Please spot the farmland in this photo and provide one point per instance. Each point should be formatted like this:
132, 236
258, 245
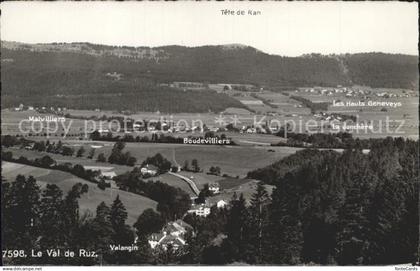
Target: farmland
229, 158
61, 159
233, 160
135, 204
405, 113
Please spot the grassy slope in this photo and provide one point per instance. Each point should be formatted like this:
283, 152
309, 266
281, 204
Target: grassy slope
135, 204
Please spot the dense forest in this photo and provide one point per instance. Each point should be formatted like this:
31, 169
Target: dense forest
327, 207
79, 80
383, 70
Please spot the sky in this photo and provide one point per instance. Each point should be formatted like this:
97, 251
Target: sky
282, 28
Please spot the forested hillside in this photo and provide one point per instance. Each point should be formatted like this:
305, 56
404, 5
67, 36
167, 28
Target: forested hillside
129, 75
383, 70
81, 81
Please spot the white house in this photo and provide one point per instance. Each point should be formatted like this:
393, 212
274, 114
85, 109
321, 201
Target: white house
177, 228
172, 234
155, 238
214, 188
108, 175
199, 210
149, 170
221, 204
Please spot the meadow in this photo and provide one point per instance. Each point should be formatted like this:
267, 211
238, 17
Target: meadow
233, 160
61, 159
135, 204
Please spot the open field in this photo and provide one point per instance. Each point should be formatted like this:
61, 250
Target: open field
135, 204
61, 159
233, 160
253, 139
10, 124
284, 104
228, 183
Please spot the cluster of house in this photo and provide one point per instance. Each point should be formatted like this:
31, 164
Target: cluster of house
149, 170
252, 130
349, 92
328, 117
42, 109
165, 126
214, 188
114, 75
204, 209
354, 92
174, 233
22, 107
188, 85
52, 109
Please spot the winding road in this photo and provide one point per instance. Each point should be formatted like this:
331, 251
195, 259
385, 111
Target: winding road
189, 181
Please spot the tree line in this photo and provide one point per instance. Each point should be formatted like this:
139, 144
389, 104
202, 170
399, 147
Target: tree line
340, 140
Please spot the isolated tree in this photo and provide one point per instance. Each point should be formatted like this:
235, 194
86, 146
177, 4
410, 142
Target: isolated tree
68, 151
101, 158
46, 161
215, 170
118, 213
128, 159
116, 156
39, 146
204, 193
186, 166
80, 152
95, 135
194, 164
91, 153
58, 147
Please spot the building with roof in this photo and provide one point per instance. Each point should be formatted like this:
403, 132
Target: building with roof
151, 170
214, 188
108, 175
199, 210
221, 204
173, 234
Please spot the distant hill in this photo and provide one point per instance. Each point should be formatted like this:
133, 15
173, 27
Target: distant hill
130, 75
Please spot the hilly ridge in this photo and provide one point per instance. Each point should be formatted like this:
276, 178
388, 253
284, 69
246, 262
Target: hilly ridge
54, 70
